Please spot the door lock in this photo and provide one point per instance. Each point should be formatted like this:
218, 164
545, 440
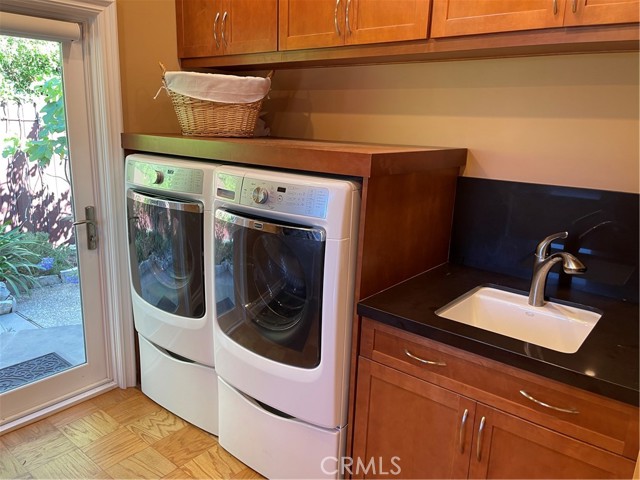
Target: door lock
92, 231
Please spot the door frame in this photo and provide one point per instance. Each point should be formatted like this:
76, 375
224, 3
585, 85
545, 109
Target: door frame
98, 21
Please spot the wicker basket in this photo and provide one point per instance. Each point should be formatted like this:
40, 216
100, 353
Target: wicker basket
212, 119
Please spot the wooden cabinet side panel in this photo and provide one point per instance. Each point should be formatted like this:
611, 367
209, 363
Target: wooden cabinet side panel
310, 24
514, 448
470, 17
378, 21
252, 26
601, 12
406, 228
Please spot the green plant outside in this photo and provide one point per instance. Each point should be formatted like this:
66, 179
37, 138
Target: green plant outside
18, 263
30, 70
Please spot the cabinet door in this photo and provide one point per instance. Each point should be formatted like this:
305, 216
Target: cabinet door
249, 26
509, 447
601, 12
195, 21
376, 21
408, 428
311, 23
468, 17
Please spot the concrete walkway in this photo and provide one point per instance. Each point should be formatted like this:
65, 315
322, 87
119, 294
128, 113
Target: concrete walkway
49, 320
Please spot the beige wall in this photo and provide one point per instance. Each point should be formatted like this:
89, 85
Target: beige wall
146, 36
563, 120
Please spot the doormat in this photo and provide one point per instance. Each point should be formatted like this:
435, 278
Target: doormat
26, 372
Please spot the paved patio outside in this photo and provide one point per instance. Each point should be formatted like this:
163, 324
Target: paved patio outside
49, 320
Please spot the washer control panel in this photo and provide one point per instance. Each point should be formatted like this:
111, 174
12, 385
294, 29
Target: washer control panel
165, 177
305, 200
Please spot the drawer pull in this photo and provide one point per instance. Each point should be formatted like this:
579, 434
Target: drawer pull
422, 360
479, 444
462, 426
546, 405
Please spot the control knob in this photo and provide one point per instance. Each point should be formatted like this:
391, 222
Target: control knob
260, 195
159, 177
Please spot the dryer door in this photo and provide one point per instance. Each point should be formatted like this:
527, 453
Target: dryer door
268, 283
165, 251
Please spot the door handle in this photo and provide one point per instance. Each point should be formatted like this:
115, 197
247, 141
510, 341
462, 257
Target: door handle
90, 222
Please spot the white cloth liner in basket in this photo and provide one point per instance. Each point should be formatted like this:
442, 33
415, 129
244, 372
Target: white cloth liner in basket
218, 88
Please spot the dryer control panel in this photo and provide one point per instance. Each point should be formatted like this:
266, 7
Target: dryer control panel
164, 177
285, 197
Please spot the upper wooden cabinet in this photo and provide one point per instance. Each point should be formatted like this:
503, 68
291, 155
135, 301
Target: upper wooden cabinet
468, 17
225, 27
328, 23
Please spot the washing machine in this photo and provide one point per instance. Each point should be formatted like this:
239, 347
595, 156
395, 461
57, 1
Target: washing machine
284, 249
169, 210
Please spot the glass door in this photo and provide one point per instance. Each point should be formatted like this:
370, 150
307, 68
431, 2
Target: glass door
52, 344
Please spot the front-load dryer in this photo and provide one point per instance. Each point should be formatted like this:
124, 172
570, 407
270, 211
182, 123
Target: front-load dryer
169, 202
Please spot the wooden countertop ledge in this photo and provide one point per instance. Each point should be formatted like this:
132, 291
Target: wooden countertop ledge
351, 159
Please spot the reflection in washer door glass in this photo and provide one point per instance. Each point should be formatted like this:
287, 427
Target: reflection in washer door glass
165, 248
268, 284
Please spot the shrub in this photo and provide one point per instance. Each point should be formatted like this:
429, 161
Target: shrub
51, 259
17, 262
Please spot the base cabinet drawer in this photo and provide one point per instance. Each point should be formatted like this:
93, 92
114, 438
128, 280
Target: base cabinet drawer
438, 412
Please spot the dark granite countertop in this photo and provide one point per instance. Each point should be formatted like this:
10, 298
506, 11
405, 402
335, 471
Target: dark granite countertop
606, 363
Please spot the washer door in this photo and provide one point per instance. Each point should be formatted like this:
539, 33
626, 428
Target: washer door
268, 283
165, 251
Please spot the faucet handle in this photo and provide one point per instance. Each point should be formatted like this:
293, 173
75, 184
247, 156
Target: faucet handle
543, 246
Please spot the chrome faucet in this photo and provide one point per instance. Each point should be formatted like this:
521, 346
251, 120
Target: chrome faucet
543, 263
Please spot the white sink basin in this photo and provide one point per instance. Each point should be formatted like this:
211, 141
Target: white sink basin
558, 327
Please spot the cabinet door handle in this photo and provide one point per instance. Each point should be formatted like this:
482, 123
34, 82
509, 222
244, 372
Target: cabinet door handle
422, 360
463, 423
335, 18
546, 405
347, 17
555, 7
574, 5
215, 28
223, 27
479, 443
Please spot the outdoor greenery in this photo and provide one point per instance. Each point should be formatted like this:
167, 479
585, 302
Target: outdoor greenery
30, 70
18, 263
31, 73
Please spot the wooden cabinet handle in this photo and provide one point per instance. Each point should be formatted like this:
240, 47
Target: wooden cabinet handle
422, 360
223, 28
335, 18
546, 405
462, 429
215, 27
347, 17
479, 444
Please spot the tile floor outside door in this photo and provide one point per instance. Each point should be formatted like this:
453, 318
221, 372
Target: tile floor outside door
120, 434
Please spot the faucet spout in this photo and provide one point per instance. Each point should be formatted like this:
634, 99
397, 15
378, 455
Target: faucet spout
542, 266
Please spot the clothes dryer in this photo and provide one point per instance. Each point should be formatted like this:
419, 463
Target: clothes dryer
169, 202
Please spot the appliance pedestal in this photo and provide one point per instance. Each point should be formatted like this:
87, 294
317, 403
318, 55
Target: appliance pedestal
186, 389
275, 446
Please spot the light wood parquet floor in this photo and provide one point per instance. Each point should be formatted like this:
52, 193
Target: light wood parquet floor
120, 434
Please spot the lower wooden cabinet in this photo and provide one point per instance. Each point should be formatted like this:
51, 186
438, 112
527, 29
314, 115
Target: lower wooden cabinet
408, 427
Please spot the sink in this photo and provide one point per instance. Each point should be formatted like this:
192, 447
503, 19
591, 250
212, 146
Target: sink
559, 327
